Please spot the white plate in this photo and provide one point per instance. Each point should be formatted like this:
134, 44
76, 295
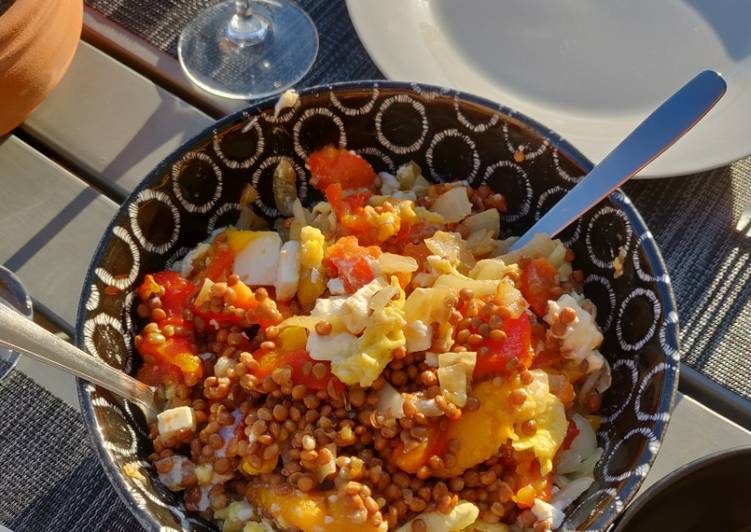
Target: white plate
589, 69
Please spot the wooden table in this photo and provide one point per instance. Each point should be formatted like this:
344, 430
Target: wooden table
121, 108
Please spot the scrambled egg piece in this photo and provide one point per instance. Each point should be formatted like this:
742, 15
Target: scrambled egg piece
311, 247
312, 282
482, 432
373, 350
256, 255
549, 414
310, 512
380, 319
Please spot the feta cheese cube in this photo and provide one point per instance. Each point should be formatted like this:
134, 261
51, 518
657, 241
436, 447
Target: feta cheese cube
176, 419
257, 263
336, 286
288, 271
331, 346
419, 336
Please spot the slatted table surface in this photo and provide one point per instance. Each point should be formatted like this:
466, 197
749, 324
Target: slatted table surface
123, 105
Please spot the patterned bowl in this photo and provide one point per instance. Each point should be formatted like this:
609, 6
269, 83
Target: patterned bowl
451, 136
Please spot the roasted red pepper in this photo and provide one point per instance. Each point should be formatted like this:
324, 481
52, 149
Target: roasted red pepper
351, 262
539, 284
505, 355
173, 290
333, 165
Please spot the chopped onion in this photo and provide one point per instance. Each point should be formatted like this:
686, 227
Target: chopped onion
508, 296
457, 283
205, 293
486, 220
428, 407
393, 263
329, 468
585, 442
467, 359
390, 402
284, 187
451, 247
453, 205
223, 364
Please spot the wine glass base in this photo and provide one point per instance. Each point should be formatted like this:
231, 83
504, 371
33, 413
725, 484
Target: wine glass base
227, 67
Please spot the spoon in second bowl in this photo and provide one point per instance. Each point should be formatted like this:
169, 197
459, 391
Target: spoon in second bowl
660, 130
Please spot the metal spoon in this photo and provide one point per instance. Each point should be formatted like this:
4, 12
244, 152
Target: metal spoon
23, 335
669, 122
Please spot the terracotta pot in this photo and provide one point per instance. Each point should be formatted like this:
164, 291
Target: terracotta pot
37, 43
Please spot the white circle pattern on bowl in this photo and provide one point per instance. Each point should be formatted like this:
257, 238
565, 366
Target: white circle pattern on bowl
645, 367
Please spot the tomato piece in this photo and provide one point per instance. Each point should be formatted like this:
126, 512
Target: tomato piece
345, 204
505, 354
334, 165
352, 216
419, 252
219, 262
268, 361
539, 283
415, 233
571, 434
178, 351
245, 309
352, 263
173, 290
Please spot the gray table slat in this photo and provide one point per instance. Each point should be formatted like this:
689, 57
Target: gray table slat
112, 123
50, 224
694, 431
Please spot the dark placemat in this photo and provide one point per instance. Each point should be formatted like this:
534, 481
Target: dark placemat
695, 220
341, 56
50, 478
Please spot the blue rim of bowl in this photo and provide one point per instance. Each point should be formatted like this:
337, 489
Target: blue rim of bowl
619, 198
22, 304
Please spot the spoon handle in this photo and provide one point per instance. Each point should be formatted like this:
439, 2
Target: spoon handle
660, 130
23, 335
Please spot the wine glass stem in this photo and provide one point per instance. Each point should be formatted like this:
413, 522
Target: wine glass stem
246, 28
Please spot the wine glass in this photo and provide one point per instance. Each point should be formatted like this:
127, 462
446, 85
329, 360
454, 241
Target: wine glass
247, 49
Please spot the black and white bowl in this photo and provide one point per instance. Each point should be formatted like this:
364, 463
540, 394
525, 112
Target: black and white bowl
451, 135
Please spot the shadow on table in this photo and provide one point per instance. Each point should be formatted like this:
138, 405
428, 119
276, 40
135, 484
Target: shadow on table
151, 134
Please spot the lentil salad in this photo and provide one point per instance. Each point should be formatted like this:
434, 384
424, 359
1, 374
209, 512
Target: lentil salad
378, 361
